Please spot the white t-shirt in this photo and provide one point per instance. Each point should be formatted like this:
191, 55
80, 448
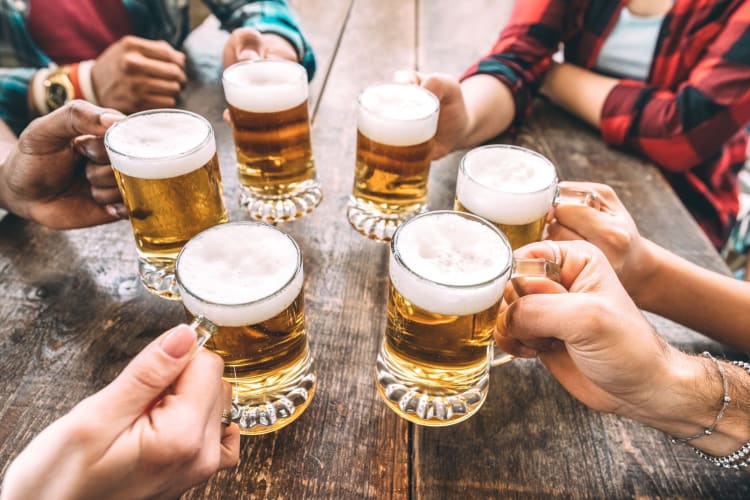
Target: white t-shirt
629, 49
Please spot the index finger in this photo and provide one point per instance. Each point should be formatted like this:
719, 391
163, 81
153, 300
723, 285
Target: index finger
55, 130
573, 257
200, 384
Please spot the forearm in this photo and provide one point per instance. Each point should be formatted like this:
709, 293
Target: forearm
578, 91
490, 109
703, 300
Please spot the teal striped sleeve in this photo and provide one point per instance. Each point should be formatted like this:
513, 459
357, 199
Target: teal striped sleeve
14, 91
267, 16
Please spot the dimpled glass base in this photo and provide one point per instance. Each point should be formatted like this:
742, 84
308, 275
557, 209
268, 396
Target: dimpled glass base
369, 220
157, 275
280, 208
428, 402
267, 405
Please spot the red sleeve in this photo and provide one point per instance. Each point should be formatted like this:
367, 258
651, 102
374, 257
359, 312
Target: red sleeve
523, 53
679, 130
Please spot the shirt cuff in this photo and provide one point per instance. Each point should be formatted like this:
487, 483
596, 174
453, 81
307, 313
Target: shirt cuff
620, 108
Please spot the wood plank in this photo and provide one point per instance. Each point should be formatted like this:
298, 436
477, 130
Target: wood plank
532, 439
347, 444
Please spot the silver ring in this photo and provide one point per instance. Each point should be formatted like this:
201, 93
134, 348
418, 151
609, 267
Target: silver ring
226, 417
555, 251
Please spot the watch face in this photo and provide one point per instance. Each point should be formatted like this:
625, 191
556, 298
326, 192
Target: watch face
57, 95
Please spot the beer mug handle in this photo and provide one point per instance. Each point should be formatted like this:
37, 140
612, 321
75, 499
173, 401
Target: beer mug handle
527, 269
203, 329
569, 196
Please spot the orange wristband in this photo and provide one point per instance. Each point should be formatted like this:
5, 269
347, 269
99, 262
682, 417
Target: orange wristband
74, 79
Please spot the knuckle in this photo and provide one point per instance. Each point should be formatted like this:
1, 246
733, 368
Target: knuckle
186, 446
130, 61
129, 42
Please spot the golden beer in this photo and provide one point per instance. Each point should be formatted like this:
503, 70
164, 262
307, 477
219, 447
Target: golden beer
246, 280
395, 137
518, 235
171, 188
268, 105
447, 272
510, 186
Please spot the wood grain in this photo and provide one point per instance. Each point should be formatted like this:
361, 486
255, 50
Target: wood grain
74, 313
531, 439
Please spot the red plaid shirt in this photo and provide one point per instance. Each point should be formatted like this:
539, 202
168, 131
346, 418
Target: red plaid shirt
689, 115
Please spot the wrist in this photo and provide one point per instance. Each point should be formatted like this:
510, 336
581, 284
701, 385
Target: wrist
685, 396
643, 286
688, 399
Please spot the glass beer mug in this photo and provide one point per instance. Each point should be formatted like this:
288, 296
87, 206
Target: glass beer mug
168, 173
242, 283
514, 188
268, 105
447, 273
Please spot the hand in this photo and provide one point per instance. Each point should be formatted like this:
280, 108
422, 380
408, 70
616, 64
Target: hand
612, 229
453, 123
249, 44
154, 432
58, 174
134, 74
605, 353
602, 350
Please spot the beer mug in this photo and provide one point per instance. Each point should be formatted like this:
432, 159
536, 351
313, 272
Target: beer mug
447, 272
268, 105
396, 129
514, 188
168, 173
243, 284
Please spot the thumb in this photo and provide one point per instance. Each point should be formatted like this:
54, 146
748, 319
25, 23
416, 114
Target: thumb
55, 131
145, 378
248, 44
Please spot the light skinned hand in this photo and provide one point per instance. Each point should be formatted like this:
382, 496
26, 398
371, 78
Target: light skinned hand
154, 432
602, 349
135, 74
453, 122
58, 174
611, 229
248, 44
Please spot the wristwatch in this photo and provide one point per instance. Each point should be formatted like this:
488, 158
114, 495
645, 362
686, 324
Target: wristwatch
58, 88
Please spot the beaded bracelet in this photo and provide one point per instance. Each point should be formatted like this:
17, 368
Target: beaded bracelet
741, 457
724, 403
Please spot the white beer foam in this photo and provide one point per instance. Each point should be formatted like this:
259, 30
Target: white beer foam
234, 273
397, 114
505, 185
450, 251
265, 86
160, 145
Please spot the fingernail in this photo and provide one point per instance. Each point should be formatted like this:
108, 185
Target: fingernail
248, 54
109, 118
117, 210
179, 341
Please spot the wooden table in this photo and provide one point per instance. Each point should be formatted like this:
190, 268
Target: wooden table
73, 313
